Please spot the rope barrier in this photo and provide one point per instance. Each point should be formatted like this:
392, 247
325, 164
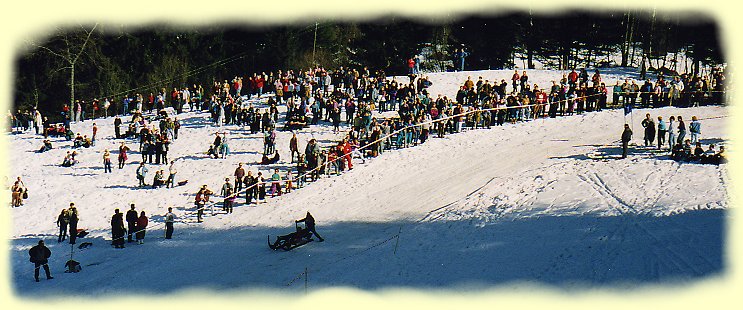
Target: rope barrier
433, 121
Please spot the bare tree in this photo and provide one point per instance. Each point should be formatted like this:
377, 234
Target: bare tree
69, 48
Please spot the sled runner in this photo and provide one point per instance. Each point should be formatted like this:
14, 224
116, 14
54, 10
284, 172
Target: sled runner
290, 241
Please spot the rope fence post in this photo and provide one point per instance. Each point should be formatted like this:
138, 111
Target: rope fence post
398, 241
305, 280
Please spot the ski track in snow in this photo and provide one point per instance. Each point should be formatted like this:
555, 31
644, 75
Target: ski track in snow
543, 201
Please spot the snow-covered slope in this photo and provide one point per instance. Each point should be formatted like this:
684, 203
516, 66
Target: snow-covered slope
543, 202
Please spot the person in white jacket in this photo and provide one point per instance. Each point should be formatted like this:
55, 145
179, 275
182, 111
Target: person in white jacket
169, 220
38, 123
171, 175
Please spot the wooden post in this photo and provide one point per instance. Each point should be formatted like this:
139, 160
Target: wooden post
397, 242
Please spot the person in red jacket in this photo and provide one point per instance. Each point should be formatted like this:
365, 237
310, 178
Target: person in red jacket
141, 227
347, 153
411, 65
259, 81
573, 78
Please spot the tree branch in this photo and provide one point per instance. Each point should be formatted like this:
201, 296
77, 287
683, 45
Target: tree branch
82, 48
49, 50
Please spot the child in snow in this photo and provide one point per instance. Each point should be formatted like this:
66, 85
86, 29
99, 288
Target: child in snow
275, 183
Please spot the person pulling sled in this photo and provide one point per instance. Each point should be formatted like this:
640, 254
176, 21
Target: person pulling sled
301, 236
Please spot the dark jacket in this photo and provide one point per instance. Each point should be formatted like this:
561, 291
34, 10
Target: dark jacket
626, 135
131, 216
309, 221
117, 222
39, 254
649, 125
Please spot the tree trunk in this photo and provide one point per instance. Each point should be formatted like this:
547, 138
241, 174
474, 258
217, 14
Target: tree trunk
590, 54
625, 44
72, 91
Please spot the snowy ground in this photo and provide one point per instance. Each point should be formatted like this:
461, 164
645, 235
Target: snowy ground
544, 202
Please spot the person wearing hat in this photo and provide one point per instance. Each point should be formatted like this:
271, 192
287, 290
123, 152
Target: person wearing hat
39, 255
626, 137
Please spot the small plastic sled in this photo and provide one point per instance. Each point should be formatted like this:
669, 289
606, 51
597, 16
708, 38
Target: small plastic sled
293, 240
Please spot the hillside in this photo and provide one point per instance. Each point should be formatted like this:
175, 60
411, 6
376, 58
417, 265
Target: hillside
543, 202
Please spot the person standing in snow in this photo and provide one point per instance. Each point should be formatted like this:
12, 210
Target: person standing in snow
224, 148
649, 126
95, 132
275, 183
39, 255
142, 174
117, 230
226, 193
131, 222
239, 176
661, 132
122, 155
293, 146
176, 126
309, 223
74, 218
671, 133
62, 220
169, 220
261, 188
695, 128
117, 125
682, 130
106, 161
202, 197
462, 55
142, 222
171, 175
251, 187
626, 137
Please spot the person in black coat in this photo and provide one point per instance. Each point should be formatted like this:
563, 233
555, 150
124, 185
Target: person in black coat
309, 223
626, 137
117, 124
39, 255
649, 130
251, 185
73, 222
62, 220
117, 229
131, 223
